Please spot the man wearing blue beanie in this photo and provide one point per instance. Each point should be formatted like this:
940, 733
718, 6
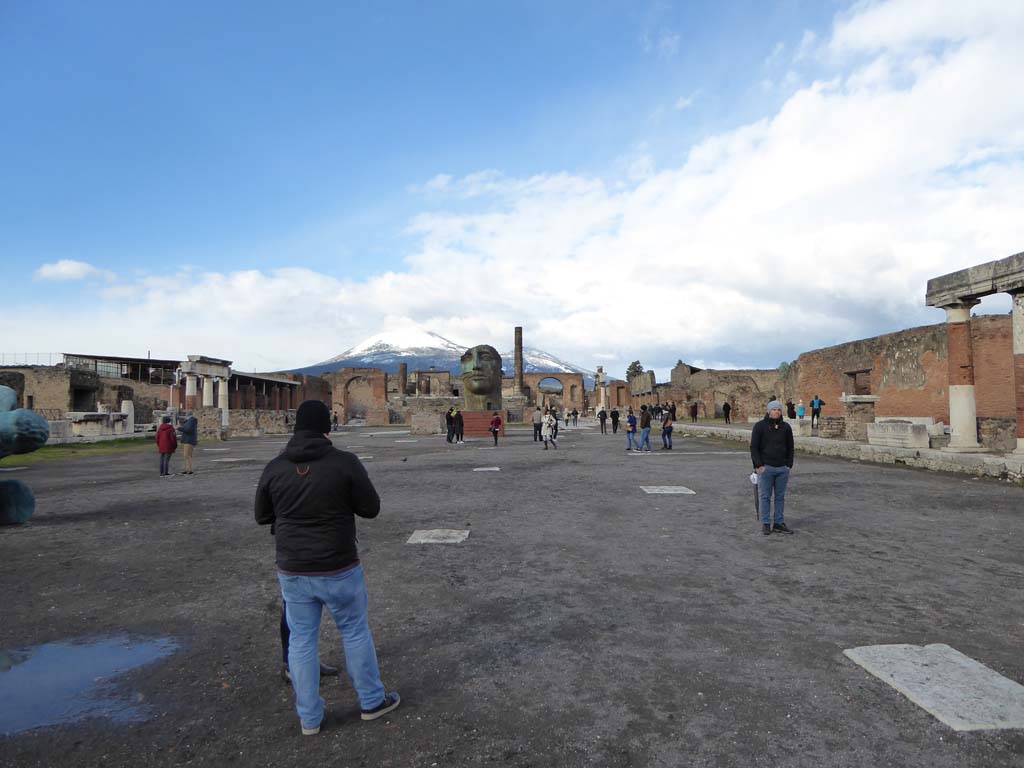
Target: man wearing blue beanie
771, 451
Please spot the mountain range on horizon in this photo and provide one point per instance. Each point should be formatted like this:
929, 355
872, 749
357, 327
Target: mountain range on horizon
421, 349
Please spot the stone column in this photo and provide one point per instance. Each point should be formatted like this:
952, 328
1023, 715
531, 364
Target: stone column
518, 381
963, 412
403, 379
223, 401
190, 392
1018, 365
207, 392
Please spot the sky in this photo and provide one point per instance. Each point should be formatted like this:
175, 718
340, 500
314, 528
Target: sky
726, 183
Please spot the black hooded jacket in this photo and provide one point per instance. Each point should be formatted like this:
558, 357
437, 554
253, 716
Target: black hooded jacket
310, 494
771, 443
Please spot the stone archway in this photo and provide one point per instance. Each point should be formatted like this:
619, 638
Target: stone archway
550, 392
358, 398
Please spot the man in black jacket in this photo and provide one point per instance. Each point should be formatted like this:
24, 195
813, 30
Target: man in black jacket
771, 451
310, 495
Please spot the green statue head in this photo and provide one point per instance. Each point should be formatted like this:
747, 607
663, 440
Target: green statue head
481, 378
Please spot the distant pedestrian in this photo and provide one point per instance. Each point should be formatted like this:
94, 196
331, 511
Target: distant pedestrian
800, 410
460, 426
726, 410
645, 429
615, 420
548, 430
495, 426
631, 434
672, 410
602, 419
575, 417
449, 422
166, 444
693, 412
538, 423
554, 431
189, 440
771, 451
816, 405
666, 432
790, 409
334, 422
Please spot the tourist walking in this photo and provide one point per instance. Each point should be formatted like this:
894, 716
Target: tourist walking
672, 410
800, 410
310, 495
816, 405
549, 430
790, 409
575, 417
554, 430
166, 444
666, 432
538, 423
645, 429
615, 420
726, 410
631, 434
334, 422
693, 412
602, 419
771, 451
449, 422
189, 440
459, 425
495, 427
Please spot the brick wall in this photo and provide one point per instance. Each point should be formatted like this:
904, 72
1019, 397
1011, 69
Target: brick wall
478, 423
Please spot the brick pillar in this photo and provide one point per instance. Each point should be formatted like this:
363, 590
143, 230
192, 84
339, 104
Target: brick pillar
517, 388
286, 398
1018, 365
963, 411
251, 399
276, 398
190, 392
403, 378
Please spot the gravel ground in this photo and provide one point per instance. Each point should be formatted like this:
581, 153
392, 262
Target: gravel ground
582, 623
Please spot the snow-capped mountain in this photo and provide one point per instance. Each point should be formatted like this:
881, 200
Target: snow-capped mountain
421, 349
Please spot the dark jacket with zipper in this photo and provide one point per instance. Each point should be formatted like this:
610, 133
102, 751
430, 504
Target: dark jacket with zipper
310, 495
771, 444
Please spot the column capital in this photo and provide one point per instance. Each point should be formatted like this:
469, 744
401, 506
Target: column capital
960, 311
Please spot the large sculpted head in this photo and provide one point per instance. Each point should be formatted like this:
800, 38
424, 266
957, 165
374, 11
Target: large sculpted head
481, 378
21, 431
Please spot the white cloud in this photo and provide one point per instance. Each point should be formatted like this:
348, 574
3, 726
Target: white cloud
664, 43
774, 55
684, 102
807, 44
817, 224
67, 270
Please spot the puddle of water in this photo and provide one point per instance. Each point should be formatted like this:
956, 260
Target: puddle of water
59, 683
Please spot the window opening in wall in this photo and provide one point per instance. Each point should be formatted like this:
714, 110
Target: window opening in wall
30, 402
859, 382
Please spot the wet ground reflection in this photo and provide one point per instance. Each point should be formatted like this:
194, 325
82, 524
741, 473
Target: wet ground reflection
64, 682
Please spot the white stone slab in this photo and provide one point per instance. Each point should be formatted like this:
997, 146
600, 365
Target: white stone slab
676, 489
352, 447
959, 691
247, 458
438, 536
364, 458
215, 449
487, 469
486, 448
11, 469
406, 441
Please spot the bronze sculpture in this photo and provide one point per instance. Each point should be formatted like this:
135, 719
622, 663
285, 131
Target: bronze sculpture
481, 378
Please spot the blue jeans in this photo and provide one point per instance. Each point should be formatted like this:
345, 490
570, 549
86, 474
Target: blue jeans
666, 437
165, 463
773, 479
629, 440
645, 437
344, 596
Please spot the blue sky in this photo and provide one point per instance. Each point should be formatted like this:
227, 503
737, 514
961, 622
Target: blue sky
184, 146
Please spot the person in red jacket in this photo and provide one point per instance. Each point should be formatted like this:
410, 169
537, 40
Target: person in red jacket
496, 426
166, 443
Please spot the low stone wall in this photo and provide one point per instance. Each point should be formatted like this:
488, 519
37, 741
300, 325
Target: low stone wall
898, 434
253, 422
998, 434
832, 427
978, 464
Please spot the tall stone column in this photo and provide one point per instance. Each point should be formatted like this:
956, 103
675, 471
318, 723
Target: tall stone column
403, 379
518, 380
1018, 365
223, 401
190, 392
963, 411
207, 392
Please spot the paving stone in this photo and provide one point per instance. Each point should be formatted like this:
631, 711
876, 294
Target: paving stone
676, 489
961, 692
438, 536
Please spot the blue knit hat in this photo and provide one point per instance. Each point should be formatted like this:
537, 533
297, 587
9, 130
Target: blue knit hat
774, 404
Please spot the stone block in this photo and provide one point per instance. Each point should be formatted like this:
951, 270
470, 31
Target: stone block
800, 427
427, 424
832, 427
898, 434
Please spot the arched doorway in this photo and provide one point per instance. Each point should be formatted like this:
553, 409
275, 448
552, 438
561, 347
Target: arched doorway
551, 392
358, 398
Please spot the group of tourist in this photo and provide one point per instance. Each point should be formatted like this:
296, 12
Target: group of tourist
167, 442
456, 425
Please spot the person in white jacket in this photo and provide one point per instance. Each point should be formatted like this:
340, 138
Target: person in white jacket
547, 430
